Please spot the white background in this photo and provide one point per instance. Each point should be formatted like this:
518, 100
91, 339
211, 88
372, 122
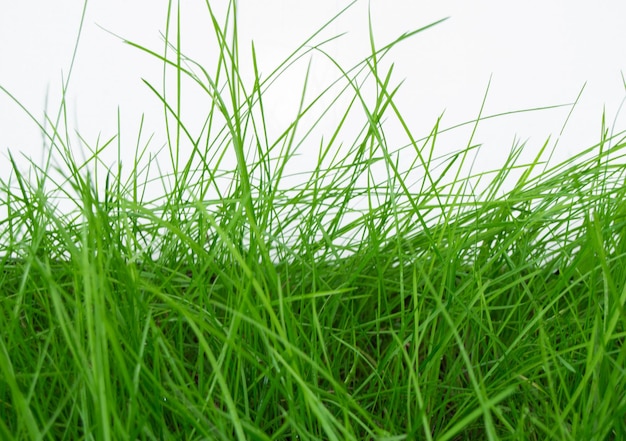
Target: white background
537, 53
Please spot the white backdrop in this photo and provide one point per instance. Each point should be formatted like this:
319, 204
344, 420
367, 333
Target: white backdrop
537, 53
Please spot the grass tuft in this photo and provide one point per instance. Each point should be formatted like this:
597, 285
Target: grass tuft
384, 293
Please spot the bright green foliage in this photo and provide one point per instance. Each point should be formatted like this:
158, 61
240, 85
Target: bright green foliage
241, 306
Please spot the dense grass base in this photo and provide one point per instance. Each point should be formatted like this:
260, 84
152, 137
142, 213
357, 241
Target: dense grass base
281, 312
413, 336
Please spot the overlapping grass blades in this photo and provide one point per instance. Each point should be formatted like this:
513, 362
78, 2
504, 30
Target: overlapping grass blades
380, 297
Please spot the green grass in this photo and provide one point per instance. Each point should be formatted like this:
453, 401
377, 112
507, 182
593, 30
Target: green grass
390, 293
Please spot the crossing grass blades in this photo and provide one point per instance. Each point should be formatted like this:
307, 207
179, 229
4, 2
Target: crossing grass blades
390, 294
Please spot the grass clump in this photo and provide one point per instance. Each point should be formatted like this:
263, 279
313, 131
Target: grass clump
388, 294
